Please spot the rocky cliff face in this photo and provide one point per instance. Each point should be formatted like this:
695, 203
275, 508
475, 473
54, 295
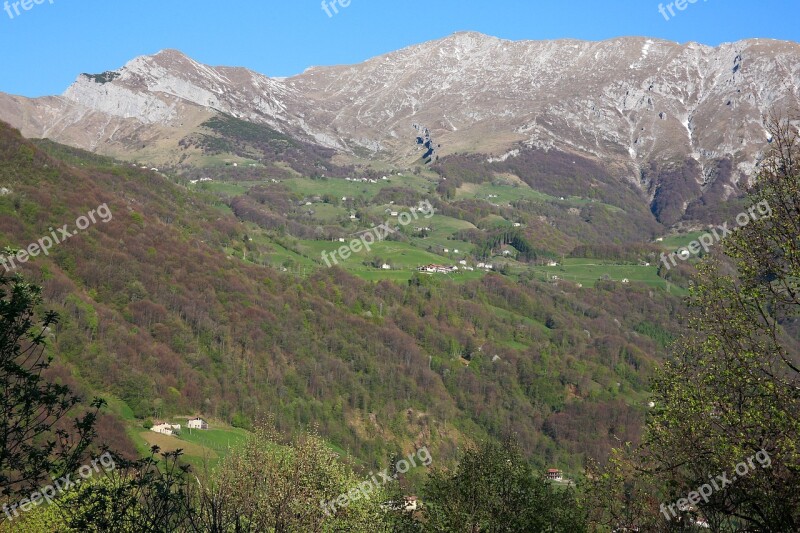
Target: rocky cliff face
645, 108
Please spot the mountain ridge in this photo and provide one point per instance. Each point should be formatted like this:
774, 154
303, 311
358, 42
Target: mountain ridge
645, 108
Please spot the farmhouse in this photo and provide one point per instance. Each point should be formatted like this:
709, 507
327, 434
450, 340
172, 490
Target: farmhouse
437, 269
554, 475
197, 423
166, 429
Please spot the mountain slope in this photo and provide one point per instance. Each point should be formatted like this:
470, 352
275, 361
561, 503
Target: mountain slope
157, 313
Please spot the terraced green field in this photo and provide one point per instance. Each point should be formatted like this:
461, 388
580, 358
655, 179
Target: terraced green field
589, 271
220, 439
401, 256
503, 194
352, 189
674, 242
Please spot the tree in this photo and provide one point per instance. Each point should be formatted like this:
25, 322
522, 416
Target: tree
36, 441
732, 390
266, 486
140, 496
495, 489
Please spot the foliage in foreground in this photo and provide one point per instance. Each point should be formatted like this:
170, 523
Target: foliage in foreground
495, 489
733, 387
36, 437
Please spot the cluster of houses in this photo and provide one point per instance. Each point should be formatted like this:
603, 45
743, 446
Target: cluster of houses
438, 269
165, 428
442, 269
366, 180
201, 180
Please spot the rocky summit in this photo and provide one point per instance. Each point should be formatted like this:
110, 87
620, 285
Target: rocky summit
645, 108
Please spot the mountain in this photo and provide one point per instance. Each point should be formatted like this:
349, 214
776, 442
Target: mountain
680, 124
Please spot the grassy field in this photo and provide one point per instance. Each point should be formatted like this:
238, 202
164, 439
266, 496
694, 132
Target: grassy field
342, 188
217, 440
674, 242
400, 255
200, 448
502, 194
329, 214
223, 188
589, 271
168, 443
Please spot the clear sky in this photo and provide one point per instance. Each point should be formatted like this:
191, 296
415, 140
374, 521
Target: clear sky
46, 47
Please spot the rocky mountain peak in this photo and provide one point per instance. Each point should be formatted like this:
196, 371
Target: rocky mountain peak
630, 102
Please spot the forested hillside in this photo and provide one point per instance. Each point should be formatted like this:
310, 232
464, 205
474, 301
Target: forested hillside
157, 311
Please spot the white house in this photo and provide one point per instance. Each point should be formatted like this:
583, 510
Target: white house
386, 267
462, 262
165, 428
197, 423
411, 504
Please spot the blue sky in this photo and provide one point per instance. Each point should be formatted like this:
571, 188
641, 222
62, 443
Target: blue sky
46, 47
